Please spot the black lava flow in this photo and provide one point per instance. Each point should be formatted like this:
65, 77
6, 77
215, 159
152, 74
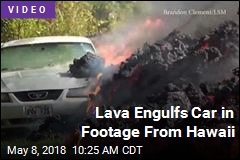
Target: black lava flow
177, 70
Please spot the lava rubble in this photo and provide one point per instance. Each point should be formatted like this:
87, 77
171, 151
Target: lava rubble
177, 70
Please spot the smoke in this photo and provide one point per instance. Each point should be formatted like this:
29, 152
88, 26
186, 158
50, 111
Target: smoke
194, 23
119, 44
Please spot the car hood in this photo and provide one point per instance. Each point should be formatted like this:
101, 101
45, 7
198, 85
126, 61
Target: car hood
39, 79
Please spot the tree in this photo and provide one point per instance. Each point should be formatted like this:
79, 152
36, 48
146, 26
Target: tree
79, 18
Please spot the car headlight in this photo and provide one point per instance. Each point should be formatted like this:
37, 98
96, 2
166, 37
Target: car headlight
5, 97
77, 92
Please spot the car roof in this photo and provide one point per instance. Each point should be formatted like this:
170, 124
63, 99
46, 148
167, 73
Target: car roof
47, 39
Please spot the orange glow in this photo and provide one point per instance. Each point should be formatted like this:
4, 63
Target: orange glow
97, 88
117, 51
110, 53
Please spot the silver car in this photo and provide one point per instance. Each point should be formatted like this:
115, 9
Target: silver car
34, 80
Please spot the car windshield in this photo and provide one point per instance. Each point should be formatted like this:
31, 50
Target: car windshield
42, 55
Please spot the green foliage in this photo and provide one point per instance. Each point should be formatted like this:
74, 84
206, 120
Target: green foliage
80, 18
